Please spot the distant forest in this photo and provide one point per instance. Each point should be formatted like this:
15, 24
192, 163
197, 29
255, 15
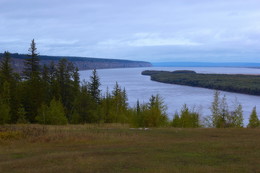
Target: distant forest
82, 63
246, 84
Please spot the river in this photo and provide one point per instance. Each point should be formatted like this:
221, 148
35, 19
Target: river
140, 88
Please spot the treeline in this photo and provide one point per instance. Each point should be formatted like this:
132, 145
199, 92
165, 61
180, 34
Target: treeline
246, 84
53, 94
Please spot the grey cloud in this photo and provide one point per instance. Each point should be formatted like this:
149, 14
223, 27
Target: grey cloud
151, 30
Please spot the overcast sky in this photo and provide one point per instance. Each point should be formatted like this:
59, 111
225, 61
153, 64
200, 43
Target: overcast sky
150, 30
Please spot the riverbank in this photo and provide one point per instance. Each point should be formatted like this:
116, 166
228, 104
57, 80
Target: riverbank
238, 83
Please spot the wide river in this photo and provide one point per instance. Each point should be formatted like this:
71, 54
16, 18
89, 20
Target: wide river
140, 88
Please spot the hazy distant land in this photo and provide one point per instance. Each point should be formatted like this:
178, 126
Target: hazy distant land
83, 63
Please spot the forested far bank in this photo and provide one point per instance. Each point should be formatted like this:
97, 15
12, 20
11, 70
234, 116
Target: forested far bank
82, 63
239, 83
53, 94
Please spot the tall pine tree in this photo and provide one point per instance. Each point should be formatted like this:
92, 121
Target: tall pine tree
33, 87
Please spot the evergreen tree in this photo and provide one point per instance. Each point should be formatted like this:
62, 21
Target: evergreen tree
64, 85
5, 98
85, 106
94, 86
46, 85
176, 122
106, 105
76, 81
8, 85
157, 112
224, 114
119, 104
32, 96
235, 118
187, 118
32, 64
4, 113
215, 109
6, 71
253, 120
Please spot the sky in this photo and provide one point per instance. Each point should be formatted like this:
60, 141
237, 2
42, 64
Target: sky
149, 30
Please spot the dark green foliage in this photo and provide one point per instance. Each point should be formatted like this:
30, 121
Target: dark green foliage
8, 85
247, 84
184, 71
5, 98
53, 95
6, 71
64, 85
32, 64
85, 106
94, 86
253, 120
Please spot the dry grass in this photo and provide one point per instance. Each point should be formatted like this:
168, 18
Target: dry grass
116, 148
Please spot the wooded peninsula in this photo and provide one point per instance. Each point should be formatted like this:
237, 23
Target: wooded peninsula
239, 83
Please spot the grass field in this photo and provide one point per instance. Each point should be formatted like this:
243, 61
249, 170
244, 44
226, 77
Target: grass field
117, 148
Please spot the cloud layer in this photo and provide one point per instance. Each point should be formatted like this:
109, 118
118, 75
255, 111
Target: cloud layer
152, 30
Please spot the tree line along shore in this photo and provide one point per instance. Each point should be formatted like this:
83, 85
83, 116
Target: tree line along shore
239, 83
53, 94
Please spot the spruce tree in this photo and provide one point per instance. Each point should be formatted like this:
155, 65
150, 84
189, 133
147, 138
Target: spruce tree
253, 120
33, 87
9, 82
6, 71
94, 86
5, 99
32, 63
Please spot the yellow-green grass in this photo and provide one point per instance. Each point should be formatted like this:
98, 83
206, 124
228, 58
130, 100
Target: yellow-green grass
117, 148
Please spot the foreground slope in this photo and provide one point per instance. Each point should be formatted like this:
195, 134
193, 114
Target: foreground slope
117, 148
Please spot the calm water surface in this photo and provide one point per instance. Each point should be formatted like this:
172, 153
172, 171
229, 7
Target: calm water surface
140, 88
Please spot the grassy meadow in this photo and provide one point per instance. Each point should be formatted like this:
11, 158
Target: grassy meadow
118, 148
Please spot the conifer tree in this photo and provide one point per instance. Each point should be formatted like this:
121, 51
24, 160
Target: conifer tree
5, 98
235, 118
63, 85
4, 113
32, 64
33, 88
215, 109
157, 112
6, 71
9, 83
176, 120
94, 86
253, 120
